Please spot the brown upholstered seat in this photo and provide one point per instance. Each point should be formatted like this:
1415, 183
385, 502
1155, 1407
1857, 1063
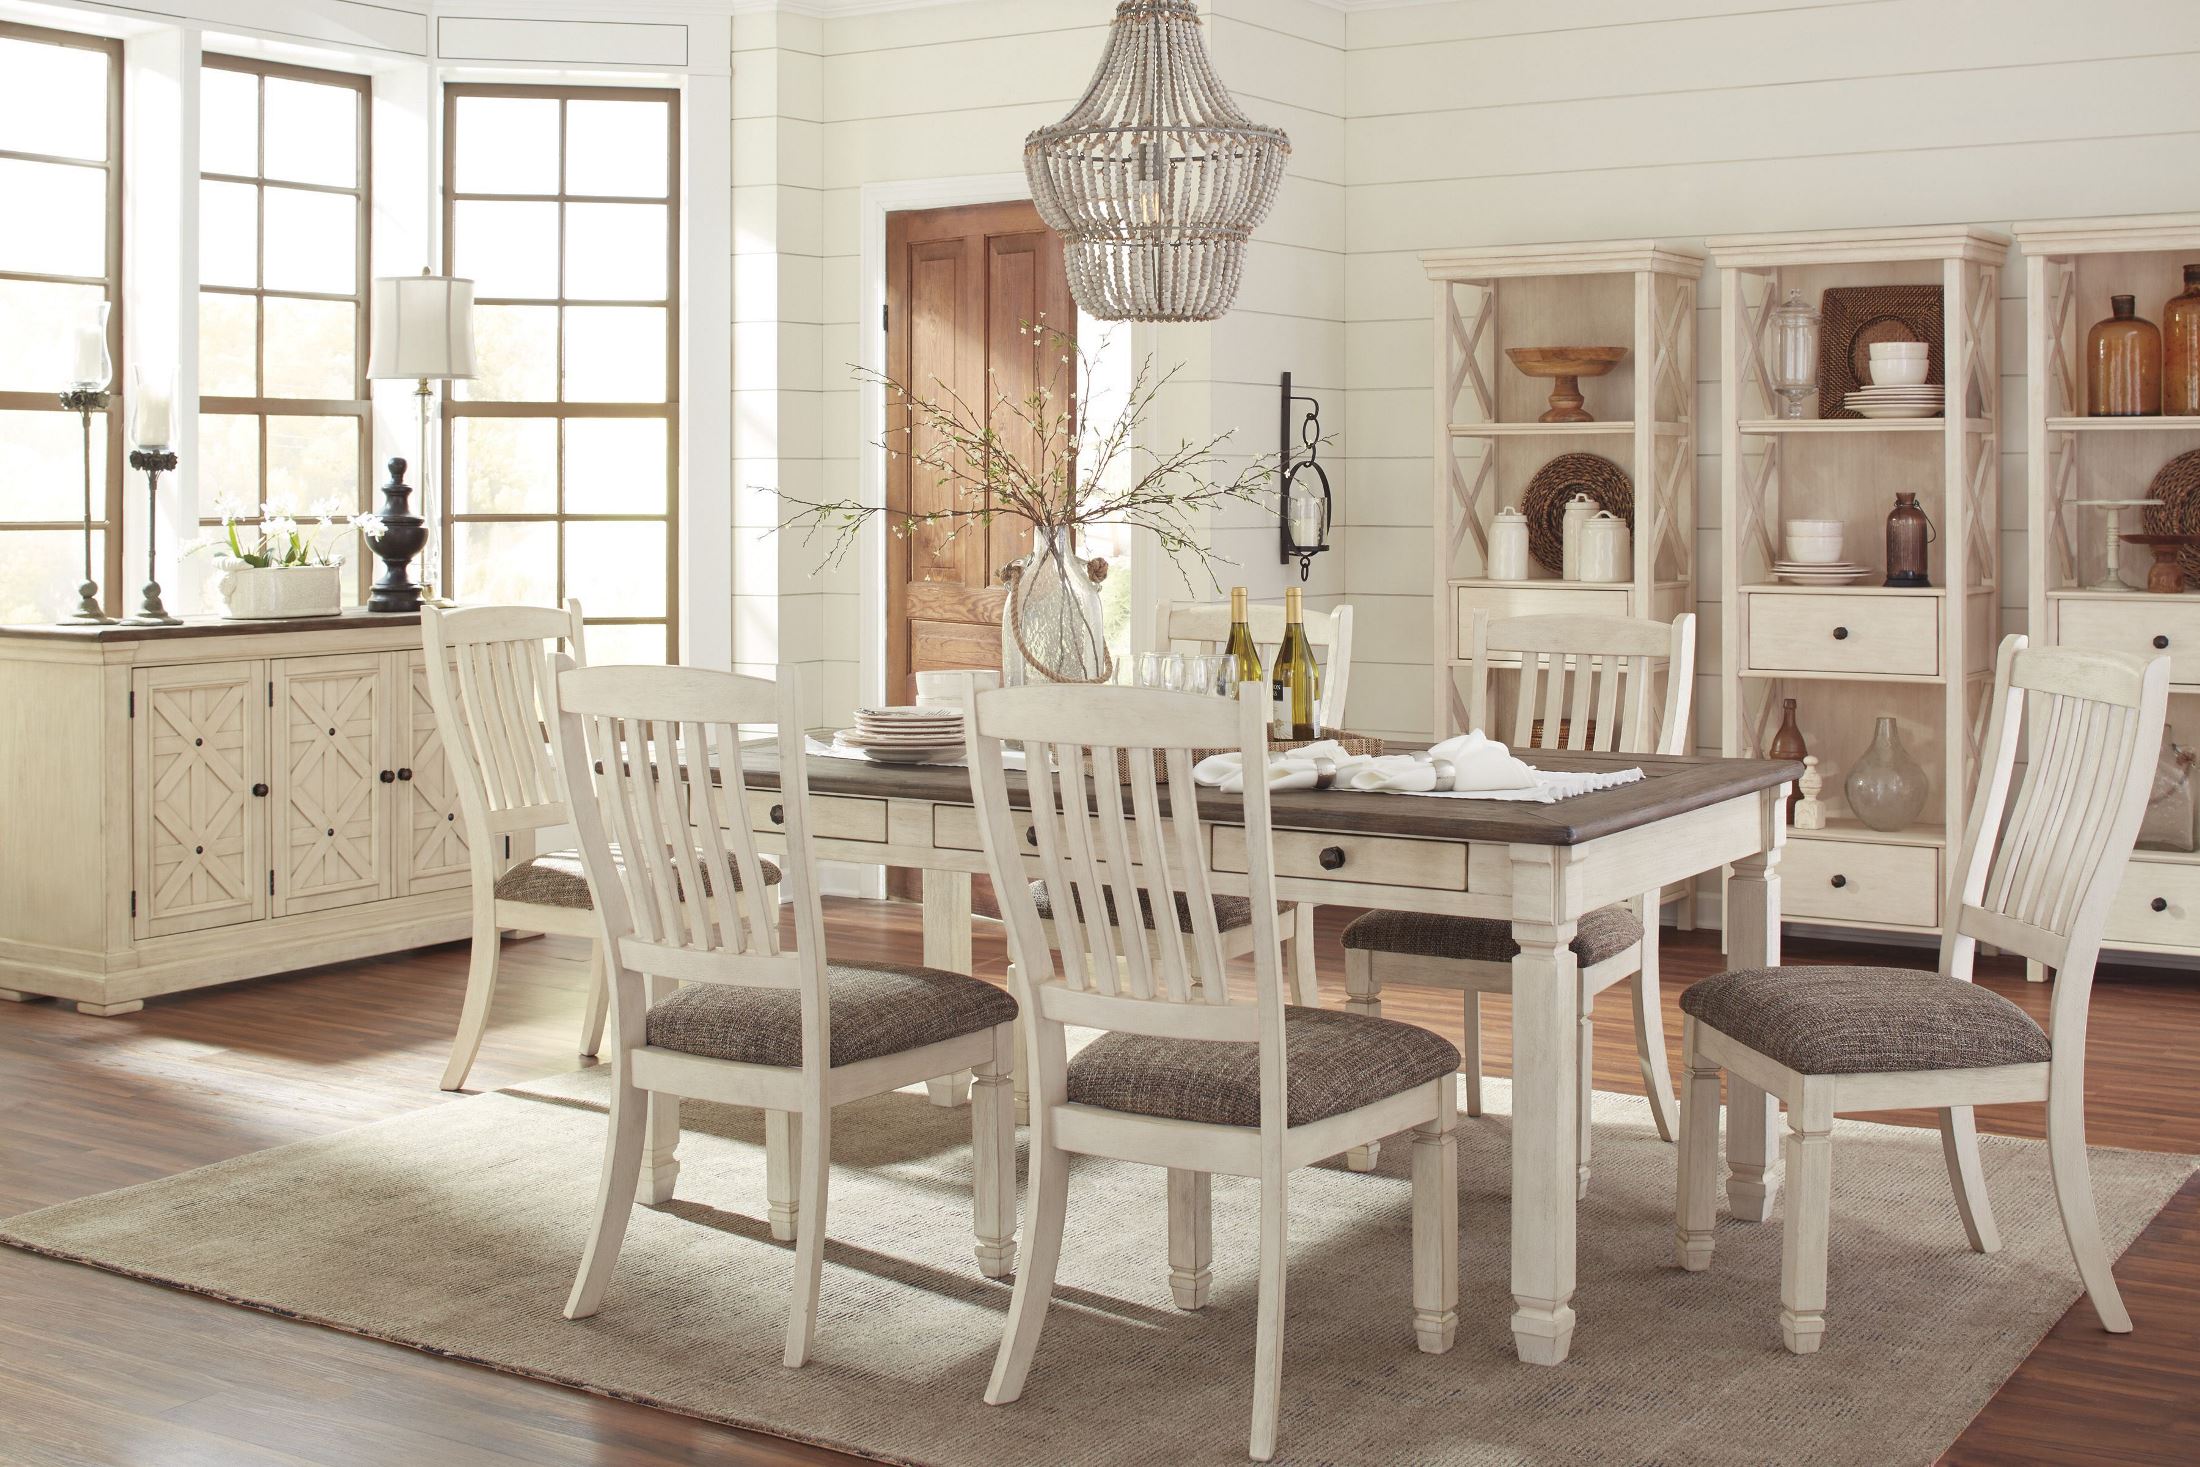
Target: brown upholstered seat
1603, 933
556, 880
1866, 1021
1230, 912
876, 1009
1334, 1062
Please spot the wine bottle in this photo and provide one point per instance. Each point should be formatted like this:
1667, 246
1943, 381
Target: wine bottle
1294, 683
1240, 649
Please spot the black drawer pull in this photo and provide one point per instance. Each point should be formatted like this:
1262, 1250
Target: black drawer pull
1840, 634
388, 776
2160, 904
405, 774
198, 850
779, 814
1031, 835
260, 790
1840, 881
2161, 644
1332, 858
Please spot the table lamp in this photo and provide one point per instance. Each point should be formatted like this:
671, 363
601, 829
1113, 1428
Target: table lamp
423, 330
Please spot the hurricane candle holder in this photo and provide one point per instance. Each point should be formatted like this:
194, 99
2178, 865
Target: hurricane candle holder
152, 428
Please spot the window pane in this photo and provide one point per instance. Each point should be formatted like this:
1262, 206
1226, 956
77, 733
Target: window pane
312, 242
508, 249
615, 354
38, 324
616, 568
40, 571
229, 464
44, 458
504, 465
507, 145
229, 121
615, 466
616, 148
310, 346
55, 222
505, 564
615, 252
609, 646
226, 325
515, 355
312, 132
53, 99
229, 232
312, 459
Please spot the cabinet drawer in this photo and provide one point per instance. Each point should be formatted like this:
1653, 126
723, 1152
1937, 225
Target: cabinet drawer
1861, 883
2146, 626
832, 817
2132, 917
1893, 635
1365, 860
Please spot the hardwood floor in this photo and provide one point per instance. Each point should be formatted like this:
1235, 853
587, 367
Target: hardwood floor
101, 1370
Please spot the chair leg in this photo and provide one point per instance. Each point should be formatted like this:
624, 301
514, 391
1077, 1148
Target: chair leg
1436, 1225
1751, 1116
1027, 1308
1696, 1210
809, 1247
1808, 1149
2074, 1194
1959, 1145
1585, 1055
782, 1168
1362, 995
1191, 1237
1471, 1053
1657, 1081
481, 982
598, 1006
1300, 958
993, 1151
660, 1166
1268, 1330
622, 1154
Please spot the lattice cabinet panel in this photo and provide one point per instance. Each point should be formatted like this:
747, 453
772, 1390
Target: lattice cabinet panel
200, 738
432, 852
331, 815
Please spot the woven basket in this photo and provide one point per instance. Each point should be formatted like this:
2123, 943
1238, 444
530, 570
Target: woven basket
1855, 316
1353, 744
2177, 485
1544, 502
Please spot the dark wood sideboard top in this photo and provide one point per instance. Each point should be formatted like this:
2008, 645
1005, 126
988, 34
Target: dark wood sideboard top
212, 626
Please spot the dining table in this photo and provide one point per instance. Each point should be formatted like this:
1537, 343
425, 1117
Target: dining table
1542, 866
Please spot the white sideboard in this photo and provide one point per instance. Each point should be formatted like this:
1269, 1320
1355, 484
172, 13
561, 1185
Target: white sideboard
183, 806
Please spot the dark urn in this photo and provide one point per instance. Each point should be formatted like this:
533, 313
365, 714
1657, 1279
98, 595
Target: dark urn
404, 535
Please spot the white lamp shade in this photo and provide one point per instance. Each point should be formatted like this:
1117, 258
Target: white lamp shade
423, 327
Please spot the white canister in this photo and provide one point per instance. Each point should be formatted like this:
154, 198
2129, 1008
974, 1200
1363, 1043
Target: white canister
1607, 549
1509, 546
1579, 510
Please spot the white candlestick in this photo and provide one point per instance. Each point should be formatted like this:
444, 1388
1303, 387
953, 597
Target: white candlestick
153, 415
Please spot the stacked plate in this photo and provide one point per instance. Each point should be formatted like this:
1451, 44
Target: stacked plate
1820, 572
1921, 401
905, 735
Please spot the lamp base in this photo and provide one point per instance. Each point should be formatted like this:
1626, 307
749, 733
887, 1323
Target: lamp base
88, 611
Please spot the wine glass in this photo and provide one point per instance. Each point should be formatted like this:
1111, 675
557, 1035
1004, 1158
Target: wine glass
1226, 678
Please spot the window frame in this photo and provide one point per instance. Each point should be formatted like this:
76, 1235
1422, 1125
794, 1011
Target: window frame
109, 520
261, 406
558, 409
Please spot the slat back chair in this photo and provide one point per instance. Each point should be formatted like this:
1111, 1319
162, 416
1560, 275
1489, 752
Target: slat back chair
488, 674
1153, 1089
1587, 683
708, 1003
1936, 1040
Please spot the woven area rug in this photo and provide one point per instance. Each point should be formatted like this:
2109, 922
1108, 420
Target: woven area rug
457, 1229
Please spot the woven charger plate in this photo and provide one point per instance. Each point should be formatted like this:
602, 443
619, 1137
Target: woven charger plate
1855, 316
1544, 502
1353, 744
2177, 485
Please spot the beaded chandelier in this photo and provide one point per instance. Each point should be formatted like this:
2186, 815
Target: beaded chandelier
1155, 179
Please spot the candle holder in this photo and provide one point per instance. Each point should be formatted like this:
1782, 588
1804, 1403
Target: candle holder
84, 401
152, 462
1304, 509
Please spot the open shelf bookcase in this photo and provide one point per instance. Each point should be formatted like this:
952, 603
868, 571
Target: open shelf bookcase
1852, 654
2072, 267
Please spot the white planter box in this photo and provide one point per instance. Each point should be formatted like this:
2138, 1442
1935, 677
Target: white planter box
256, 593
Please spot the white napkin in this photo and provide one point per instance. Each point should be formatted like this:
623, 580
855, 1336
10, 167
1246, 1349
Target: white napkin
1480, 763
1226, 772
1401, 774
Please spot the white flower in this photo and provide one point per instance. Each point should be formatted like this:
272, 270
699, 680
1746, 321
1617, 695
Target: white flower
370, 525
331, 510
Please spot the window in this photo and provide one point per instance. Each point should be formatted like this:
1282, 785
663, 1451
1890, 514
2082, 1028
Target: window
283, 207
559, 205
60, 254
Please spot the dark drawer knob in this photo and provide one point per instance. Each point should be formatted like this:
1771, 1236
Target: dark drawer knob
260, 790
198, 850
779, 814
1840, 881
388, 776
1332, 858
2160, 904
2161, 644
1031, 835
1840, 634
405, 774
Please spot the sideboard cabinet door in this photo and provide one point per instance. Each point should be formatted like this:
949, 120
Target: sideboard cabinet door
331, 816
431, 835
199, 747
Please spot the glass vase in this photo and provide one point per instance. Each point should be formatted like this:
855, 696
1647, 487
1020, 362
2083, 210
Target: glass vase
1053, 629
1886, 788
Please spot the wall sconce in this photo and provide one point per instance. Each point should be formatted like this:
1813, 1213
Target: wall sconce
1305, 508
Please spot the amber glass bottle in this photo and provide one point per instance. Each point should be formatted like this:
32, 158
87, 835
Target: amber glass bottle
2181, 349
2123, 364
1788, 744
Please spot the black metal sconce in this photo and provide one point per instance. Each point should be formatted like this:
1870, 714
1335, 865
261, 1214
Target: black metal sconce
1290, 463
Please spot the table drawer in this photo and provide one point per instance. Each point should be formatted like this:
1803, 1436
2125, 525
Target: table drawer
1861, 883
955, 828
2146, 626
832, 817
1367, 860
1888, 635
2132, 917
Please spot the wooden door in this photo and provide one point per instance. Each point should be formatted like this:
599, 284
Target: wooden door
332, 815
963, 288
198, 777
431, 835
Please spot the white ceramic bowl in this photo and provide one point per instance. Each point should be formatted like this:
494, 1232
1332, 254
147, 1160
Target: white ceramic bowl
1901, 348
1898, 371
1813, 542
1813, 527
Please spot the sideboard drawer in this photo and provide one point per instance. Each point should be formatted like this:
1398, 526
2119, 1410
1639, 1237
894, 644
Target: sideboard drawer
1309, 855
2146, 626
2132, 916
1862, 883
832, 817
1890, 635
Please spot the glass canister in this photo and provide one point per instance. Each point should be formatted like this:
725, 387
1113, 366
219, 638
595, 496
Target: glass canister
2181, 349
1509, 546
1794, 353
2123, 364
1579, 511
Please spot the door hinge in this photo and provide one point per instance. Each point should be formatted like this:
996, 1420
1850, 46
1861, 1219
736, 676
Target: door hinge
133, 904
885, 318
507, 848
271, 693
271, 883
133, 702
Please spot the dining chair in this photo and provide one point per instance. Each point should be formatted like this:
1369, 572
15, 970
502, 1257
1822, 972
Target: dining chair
1194, 1073
1829, 1040
1585, 682
707, 1001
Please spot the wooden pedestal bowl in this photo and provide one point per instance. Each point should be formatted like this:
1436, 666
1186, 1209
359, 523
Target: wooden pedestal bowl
2166, 577
1565, 365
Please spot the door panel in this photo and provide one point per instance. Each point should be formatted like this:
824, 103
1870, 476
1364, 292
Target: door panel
200, 745
431, 839
331, 820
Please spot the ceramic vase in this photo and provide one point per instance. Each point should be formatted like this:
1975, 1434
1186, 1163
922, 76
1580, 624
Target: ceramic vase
1509, 546
1886, 788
